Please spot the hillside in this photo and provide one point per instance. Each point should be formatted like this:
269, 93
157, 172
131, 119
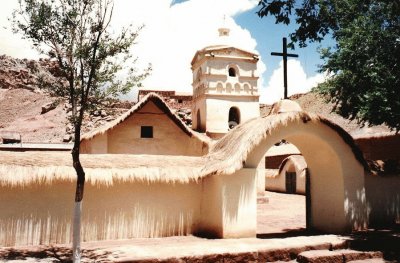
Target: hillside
26, 111
313, 102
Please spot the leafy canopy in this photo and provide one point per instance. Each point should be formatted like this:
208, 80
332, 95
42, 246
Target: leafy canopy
364, 65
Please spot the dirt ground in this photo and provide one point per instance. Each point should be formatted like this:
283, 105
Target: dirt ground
283, 213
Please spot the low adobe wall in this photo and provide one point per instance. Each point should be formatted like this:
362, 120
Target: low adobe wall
380, 148
42, 214
221, 206
383, 195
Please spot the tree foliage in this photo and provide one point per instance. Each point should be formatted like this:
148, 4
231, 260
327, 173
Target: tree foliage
90, 57
364, 64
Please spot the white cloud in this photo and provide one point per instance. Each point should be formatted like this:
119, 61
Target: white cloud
170, 38
172, 35
10, 43
298, 82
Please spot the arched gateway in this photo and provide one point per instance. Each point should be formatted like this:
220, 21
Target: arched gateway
335, 164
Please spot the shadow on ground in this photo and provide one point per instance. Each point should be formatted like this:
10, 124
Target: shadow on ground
57, 254
385, 240
289, 233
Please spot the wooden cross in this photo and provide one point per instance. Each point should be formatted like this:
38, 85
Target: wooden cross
285, 55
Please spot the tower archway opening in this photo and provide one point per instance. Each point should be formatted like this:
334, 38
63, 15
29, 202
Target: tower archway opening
232, 72
198, 121
234, 117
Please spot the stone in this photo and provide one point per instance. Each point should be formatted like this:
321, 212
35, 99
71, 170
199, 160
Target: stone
320, 256
11, 138
103, 113
69, 128
48, 107
67, 138
342, 255
350, 255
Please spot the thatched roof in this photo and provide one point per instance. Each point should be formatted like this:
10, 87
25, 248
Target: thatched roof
297, 161
160, 103
229, 153
23, 168
285, 106
225, 157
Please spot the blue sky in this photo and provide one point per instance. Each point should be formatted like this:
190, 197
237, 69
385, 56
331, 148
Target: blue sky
269, 39
175, 29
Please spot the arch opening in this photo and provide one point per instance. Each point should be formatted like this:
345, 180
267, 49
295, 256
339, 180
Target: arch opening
198, 121
234, 117
232, 72
336, 176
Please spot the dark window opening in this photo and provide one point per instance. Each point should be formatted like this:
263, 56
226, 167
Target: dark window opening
146, 132
234, 117
180, 101
232, 72
198, 118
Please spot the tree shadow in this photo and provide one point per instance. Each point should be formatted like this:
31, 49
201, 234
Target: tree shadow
289, 233
385, 240
57, 253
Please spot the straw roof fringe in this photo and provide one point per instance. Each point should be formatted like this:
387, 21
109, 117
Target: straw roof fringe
24, 168
161, 104
226, 156
297, 161
231, 151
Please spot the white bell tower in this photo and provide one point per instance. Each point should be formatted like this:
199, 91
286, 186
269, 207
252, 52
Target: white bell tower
225, 91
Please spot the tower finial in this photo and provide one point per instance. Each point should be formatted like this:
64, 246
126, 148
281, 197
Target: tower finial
224, 30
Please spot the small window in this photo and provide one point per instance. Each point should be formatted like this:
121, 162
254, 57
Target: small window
232, 72
180, 101
146, 132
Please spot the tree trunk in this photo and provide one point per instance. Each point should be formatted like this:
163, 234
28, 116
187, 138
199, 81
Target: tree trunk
76, 236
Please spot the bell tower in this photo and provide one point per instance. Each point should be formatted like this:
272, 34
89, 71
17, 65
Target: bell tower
225, 91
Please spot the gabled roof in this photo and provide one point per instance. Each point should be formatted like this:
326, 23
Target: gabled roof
217, 48
160, 103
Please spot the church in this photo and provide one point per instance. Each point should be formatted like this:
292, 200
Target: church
225, 94
149, 175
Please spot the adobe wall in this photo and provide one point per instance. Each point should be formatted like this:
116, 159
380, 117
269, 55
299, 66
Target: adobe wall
380, 148
218, 112
383, 195
228, 205
278, 183
221, 206
42, 213
125, 138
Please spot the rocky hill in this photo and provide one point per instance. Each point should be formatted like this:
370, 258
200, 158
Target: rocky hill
28, 113
312, 102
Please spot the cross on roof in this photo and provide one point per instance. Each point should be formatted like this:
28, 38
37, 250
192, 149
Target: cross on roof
285, 55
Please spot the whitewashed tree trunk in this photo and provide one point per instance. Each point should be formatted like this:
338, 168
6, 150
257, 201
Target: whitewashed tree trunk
76, 234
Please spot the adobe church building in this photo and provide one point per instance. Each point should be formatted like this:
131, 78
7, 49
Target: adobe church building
149, 175
149, 127
225, 90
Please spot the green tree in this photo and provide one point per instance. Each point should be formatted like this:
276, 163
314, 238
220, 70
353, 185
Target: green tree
76, 34
364, 64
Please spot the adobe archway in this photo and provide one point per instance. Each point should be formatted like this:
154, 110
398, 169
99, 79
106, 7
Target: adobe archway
337, 177
335, 164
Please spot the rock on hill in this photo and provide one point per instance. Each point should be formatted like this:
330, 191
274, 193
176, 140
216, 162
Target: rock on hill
26, 111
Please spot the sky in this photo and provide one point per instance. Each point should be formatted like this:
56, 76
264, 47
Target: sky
175, 29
